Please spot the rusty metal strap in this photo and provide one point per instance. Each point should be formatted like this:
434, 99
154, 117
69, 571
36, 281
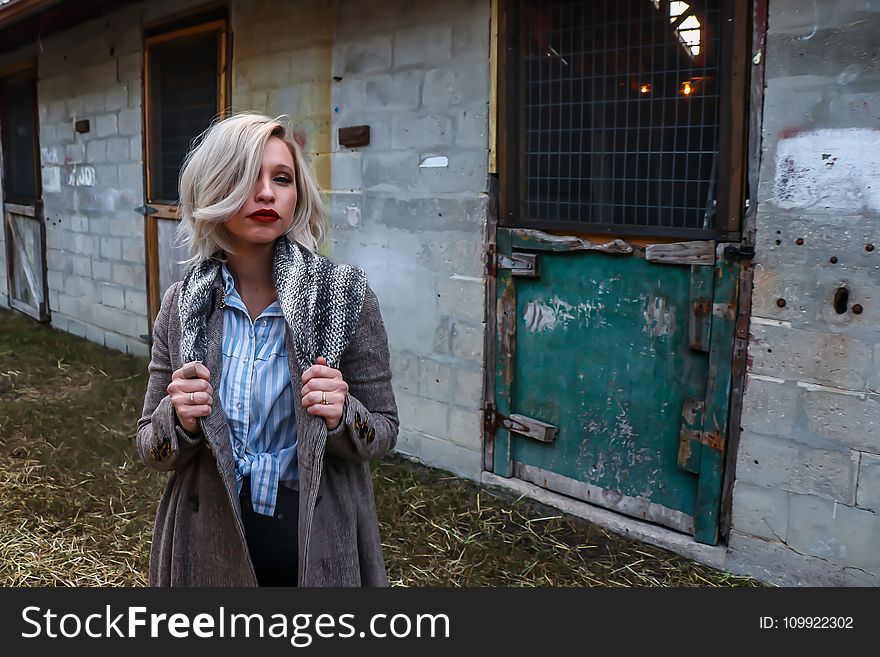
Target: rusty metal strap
713, 440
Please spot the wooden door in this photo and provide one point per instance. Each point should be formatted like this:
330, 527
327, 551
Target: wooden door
616, 256
23, 221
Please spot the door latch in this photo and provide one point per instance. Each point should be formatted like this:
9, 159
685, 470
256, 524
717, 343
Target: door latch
519, 264
739, 252
525, 426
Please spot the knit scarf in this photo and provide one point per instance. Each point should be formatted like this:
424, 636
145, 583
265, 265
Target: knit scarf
321, 302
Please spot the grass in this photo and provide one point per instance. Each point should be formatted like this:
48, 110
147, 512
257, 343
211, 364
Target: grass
78, 506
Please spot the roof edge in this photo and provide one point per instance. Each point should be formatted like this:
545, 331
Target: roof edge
17, 10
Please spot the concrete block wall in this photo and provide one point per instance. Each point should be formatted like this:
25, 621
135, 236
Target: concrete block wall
281, 64
92, 181
418, 74
805, 503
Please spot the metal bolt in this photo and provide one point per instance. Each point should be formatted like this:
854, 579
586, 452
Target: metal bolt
857, 308
869, 247
799, 241
780, 303
833, 260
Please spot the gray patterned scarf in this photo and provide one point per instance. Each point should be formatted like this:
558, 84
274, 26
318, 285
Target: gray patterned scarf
321, 302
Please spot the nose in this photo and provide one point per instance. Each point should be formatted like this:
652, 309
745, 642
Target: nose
264, 193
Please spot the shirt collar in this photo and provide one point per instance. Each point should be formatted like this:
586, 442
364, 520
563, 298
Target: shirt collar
228, 281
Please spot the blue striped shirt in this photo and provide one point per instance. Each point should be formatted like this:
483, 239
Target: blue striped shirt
258, 399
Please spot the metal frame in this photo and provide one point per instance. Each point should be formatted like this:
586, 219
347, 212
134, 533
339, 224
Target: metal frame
733, 73
738, 374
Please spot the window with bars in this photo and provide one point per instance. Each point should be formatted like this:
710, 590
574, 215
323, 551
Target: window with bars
612, 115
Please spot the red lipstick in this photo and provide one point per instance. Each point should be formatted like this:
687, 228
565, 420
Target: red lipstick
264, 215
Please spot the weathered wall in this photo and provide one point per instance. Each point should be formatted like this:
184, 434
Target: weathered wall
92, 182
281, 64
417, 74
806, 505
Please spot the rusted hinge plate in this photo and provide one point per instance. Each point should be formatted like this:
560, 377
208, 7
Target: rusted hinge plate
519, 264
712, 440
689, 444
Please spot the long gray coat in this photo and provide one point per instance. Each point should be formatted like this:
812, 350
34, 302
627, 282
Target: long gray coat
198, 538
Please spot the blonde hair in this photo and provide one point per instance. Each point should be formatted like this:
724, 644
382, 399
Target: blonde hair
218, 176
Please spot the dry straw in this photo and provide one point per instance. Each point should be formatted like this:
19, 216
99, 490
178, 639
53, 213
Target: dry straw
78, 507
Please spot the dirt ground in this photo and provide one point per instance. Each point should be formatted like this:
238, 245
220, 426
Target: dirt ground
78, 505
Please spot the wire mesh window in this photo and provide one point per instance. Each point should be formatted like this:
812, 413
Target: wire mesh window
617, 121
183, 101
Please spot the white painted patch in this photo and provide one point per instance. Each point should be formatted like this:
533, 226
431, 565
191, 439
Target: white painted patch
556, 313
472, 279
834, 169
81, 177
659, 317
590, 314
434, 161
769, 379
52, 155
766, 321
52, 180
539, 316
815, 387
353, 214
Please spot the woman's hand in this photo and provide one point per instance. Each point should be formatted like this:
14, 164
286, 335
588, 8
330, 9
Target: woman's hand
191, 394
324, 392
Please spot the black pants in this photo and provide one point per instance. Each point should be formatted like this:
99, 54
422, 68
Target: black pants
272, 540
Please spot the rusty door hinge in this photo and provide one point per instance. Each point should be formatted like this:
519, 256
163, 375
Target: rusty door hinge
519, 264
692, 437
525, 426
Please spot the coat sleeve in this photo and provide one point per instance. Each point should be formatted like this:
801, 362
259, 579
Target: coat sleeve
162, 443
369, 424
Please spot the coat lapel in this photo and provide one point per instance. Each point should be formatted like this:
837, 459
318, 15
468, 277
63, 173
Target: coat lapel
215, 427
311, 441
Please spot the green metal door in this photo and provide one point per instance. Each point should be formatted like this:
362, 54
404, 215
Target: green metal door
620, 191
613, 373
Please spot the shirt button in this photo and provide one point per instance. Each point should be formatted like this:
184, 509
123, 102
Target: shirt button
264, 322
246, 359
239, 405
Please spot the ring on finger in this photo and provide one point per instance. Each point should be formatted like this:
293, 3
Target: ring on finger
324, 398
192, 398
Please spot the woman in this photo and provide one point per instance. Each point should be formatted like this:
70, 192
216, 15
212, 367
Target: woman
270, 384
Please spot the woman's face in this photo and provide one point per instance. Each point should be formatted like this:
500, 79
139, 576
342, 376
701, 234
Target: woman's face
274, 190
